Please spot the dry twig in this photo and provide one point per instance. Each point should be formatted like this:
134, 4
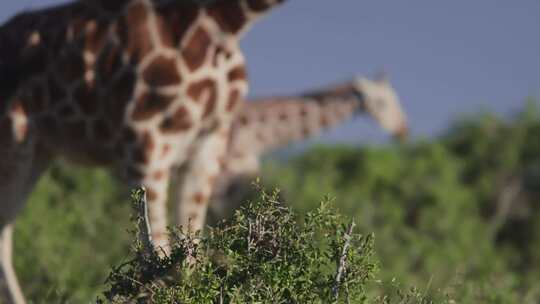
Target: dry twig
143, 222
342, 261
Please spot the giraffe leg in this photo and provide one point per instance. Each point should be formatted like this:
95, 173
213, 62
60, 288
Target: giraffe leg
19, 172
13, 176
156, 185
156, 198
195, 188
157, 211
9, 285
234, 183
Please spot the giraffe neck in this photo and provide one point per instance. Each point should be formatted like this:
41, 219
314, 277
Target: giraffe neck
271, 123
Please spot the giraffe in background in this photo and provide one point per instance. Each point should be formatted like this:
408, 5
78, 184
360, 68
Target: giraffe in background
138, 86
267, 124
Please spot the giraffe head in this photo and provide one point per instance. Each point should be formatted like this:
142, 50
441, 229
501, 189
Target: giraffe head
382, 103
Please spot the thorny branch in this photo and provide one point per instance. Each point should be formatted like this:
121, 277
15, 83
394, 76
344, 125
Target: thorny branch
342, 261
143, 222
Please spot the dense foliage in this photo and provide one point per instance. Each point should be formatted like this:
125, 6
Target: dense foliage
456, 216
261, 256
461, 209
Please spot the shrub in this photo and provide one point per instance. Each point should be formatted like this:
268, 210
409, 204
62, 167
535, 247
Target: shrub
261, 256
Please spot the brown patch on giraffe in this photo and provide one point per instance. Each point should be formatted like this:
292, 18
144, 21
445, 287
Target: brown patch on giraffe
209, 129
303, 111
176, 18
151, 194
222, 163
102, 130
128, 135
71, 65
87, 99
262, 118
119, 95
149, 104
6, 131
325, 121
212, 180
204, 88
165, 150
112, 6
47, 123
196, 50
180, 121
159, 175
239, 154
233, 101
32, 59
134, 173
77, 26
133, 32
259, 5
200, 198
99, 155
229, 15
119, 150
243, 120
164, 32
56, 92
306, 131
162, 71
66, 111
237, 73
55, 42
283, 116
36, 101
109, 62
148, 141
75, 130
18, 109
144, 151
96, 35
193, 216
139, 155
136, 14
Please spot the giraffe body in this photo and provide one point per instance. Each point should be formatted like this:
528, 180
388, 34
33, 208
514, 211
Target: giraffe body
128, 93
138, 86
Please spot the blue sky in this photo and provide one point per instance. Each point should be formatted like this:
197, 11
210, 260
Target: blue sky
445, 58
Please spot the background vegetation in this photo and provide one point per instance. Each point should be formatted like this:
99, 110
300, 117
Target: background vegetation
458, 216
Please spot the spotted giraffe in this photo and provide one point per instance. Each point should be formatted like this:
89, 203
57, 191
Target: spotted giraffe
267, 124
138, 86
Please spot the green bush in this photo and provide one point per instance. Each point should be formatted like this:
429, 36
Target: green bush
264, 255
261, 256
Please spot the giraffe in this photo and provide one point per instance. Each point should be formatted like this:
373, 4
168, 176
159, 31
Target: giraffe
137, 86
267, 124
